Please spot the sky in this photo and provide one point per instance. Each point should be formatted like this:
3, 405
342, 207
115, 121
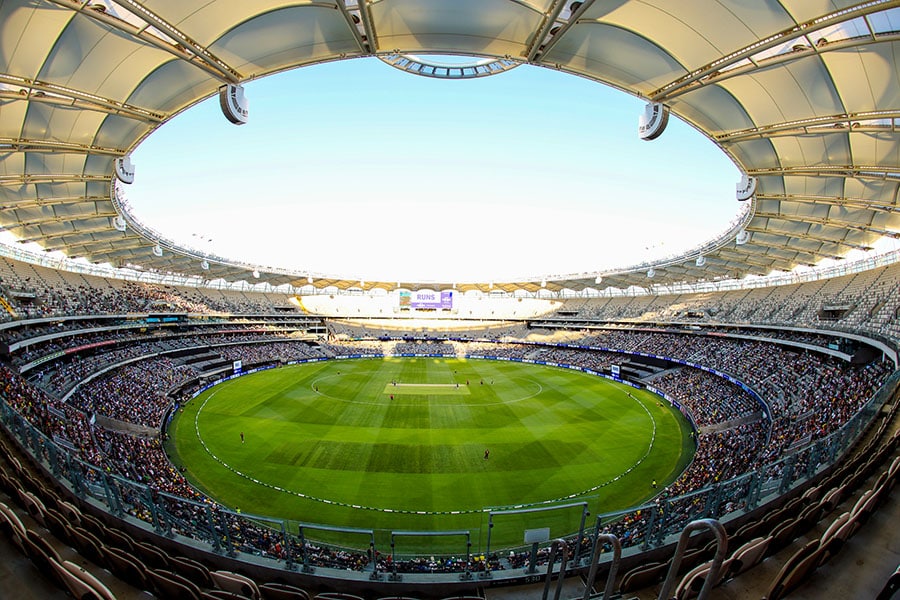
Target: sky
358, 170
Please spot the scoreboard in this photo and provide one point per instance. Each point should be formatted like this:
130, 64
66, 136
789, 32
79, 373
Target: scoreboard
426, 300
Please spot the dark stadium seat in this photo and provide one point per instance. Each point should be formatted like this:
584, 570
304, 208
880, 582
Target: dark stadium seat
172, 586
39, 551
126, 567
794, 571
783, 534
87, 544
220, 595
692, 581
643, 576
748, 556
891, 586
34, 506
336, 596
151, 556
11, 525
282, 591
191, 569
81, 583
235, 583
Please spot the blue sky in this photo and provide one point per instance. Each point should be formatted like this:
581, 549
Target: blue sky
359, 170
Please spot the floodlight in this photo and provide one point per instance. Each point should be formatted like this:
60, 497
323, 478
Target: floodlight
746, 187
233, 103
119, 223
653, 121
124, 169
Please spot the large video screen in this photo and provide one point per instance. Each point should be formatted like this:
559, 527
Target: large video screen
427, 300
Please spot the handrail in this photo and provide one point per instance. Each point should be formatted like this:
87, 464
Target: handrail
595, 563
721, 549
554, 550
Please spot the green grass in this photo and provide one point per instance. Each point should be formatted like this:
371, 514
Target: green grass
330, 437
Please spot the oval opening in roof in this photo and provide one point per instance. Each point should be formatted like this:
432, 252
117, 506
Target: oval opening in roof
357, 170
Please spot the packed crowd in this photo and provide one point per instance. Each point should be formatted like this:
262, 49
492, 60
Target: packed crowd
819, 394
709, 398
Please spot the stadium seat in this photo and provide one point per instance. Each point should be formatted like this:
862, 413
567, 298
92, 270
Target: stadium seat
693, 581
336, 596
191, 569
748, 556
783, 534
643, 576
220, 595
87, 545
11, 525
78, 577
172, 586
794, 571
282, 591
39, 551
34, 506
119, 539
126, 567
151, 556
235, 583
890, 586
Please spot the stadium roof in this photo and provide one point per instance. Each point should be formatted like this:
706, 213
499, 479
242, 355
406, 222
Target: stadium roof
803, 95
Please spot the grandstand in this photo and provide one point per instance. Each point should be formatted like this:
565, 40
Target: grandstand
786, 368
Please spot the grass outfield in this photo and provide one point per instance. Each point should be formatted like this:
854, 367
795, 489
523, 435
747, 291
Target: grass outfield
325, 443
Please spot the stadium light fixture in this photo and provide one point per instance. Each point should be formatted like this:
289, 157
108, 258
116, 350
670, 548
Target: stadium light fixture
746, 187
124, 169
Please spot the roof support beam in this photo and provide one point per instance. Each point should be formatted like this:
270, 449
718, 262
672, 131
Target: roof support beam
50, 201
547, 21
832, 201
23, 145
31, 90
573, 19
61, 178
368, 25
680, 85
184, 47
880, 172
829, 222
802, 51
809, 237
348, 16
819, 125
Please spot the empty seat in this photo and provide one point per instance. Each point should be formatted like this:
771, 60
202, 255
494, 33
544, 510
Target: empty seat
282, 591
151, 556
236, 583
87, 544
794, 571
11, 525
191, 569
748, 556
172, 586
643, 576
126, 567
82, 584
336, 596
694, 580
890, 586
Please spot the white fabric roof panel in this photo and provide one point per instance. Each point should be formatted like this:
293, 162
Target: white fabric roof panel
285, 38
616, 56
814, 121
481, 27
